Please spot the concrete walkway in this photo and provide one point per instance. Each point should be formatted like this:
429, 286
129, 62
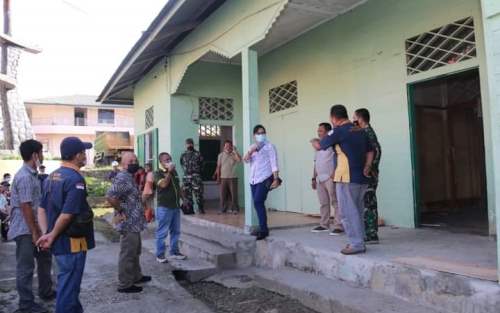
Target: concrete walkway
99, 294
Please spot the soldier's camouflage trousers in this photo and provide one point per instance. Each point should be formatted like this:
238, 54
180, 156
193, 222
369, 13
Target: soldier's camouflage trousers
371, 212
193, 185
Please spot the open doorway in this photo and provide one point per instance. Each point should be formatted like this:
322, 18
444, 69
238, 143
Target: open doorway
449, 153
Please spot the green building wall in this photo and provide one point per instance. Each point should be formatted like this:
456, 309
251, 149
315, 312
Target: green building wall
358, 60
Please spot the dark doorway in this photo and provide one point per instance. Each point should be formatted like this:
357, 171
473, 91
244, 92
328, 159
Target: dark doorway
449, 153
212, 139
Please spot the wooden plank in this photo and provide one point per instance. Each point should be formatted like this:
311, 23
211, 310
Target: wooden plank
8, 82
4, 38
464, 269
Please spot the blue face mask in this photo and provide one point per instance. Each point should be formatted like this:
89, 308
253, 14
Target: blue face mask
260, 138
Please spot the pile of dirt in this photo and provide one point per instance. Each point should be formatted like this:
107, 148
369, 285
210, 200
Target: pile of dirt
245, 300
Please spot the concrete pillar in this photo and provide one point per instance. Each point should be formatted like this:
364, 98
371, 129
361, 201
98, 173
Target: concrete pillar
491, 25
250, 88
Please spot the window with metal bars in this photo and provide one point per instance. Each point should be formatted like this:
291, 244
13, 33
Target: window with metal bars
216, 109
149, 116
283, 97
209, 131
449, 44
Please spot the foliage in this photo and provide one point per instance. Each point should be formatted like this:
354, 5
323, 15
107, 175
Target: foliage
97, 187
10, 157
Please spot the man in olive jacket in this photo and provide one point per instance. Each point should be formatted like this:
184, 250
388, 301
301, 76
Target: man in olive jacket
168, 212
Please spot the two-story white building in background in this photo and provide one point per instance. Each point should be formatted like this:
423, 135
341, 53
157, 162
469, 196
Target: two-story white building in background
54, 118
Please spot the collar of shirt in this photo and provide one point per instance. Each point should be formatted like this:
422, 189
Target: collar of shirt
28, 168
71, 166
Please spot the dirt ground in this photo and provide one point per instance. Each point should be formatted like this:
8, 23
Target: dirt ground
222, 299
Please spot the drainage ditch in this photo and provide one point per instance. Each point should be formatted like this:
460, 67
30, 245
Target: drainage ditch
253, 299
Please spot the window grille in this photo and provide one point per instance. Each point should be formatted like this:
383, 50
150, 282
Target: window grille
209, 131
439, 47
283, 97
149, 115
216, 109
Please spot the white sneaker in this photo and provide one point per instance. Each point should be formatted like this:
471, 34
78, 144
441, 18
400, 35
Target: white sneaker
161, 259
177, 256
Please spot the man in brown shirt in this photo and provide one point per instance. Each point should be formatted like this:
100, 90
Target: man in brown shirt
225, 174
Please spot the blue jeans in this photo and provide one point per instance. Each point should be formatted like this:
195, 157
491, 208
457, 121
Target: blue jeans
259, 195
69, 279
169, 221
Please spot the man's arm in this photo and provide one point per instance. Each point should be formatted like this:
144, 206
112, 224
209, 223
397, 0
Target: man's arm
165, 181
42, 220
329, 140
62, 223
236, 156
29, 217
115, 192
368, 163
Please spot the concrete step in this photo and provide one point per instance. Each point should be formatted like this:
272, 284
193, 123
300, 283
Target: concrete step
298, 250
223, 236
192, 270
332, 296
220, 257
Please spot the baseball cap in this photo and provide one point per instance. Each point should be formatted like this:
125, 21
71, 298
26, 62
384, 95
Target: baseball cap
71, 146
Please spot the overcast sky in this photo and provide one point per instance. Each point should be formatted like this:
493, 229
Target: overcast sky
83, 42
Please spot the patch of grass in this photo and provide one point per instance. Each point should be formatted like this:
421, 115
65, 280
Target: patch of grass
100, 212
106, 229
97, 187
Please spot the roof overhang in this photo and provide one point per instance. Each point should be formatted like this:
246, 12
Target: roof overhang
173, 23
180, 17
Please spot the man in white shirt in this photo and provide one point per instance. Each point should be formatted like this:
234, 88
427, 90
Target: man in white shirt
264, 175
322, 182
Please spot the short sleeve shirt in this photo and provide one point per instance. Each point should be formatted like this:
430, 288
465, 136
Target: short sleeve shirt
324, 164
126, 190
65, 191
351, 145
25, 189
227, 165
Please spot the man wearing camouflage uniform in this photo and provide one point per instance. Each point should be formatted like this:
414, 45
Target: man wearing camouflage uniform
192, 162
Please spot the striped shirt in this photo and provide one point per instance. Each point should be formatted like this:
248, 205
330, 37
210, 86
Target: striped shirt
126, 190
25, 189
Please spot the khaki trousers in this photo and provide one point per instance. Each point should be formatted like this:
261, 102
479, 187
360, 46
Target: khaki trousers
229, 194
129, 267
328, 199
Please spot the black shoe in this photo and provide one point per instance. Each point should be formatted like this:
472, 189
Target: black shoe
51, 296
131, 289
144, 279
262, 236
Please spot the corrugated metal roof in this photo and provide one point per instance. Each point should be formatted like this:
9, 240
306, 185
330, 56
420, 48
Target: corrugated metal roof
174, 22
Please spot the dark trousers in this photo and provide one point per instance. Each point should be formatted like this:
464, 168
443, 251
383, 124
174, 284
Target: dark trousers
69, 278
229, 194
129, 267
193, 185
259, 195
26, 253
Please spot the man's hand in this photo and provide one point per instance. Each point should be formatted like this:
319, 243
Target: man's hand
171, 167
367, 171
45, 242
314, 184
275, 184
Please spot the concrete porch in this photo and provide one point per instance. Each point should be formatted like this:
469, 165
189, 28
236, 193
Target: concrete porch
445, 271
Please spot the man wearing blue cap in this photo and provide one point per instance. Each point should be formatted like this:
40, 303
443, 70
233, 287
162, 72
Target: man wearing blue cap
66, 217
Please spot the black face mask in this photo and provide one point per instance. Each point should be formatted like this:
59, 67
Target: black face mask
132, 168
190, 148
356, 123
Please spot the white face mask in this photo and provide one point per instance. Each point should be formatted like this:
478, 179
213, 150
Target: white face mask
260, 137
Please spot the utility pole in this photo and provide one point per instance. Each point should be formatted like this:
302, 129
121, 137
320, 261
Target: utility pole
8, 136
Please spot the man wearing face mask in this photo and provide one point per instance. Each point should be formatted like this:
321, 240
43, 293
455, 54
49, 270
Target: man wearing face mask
125, 197
354, 160
168, 212
192, 164
64, 203
264, 175
25, 230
